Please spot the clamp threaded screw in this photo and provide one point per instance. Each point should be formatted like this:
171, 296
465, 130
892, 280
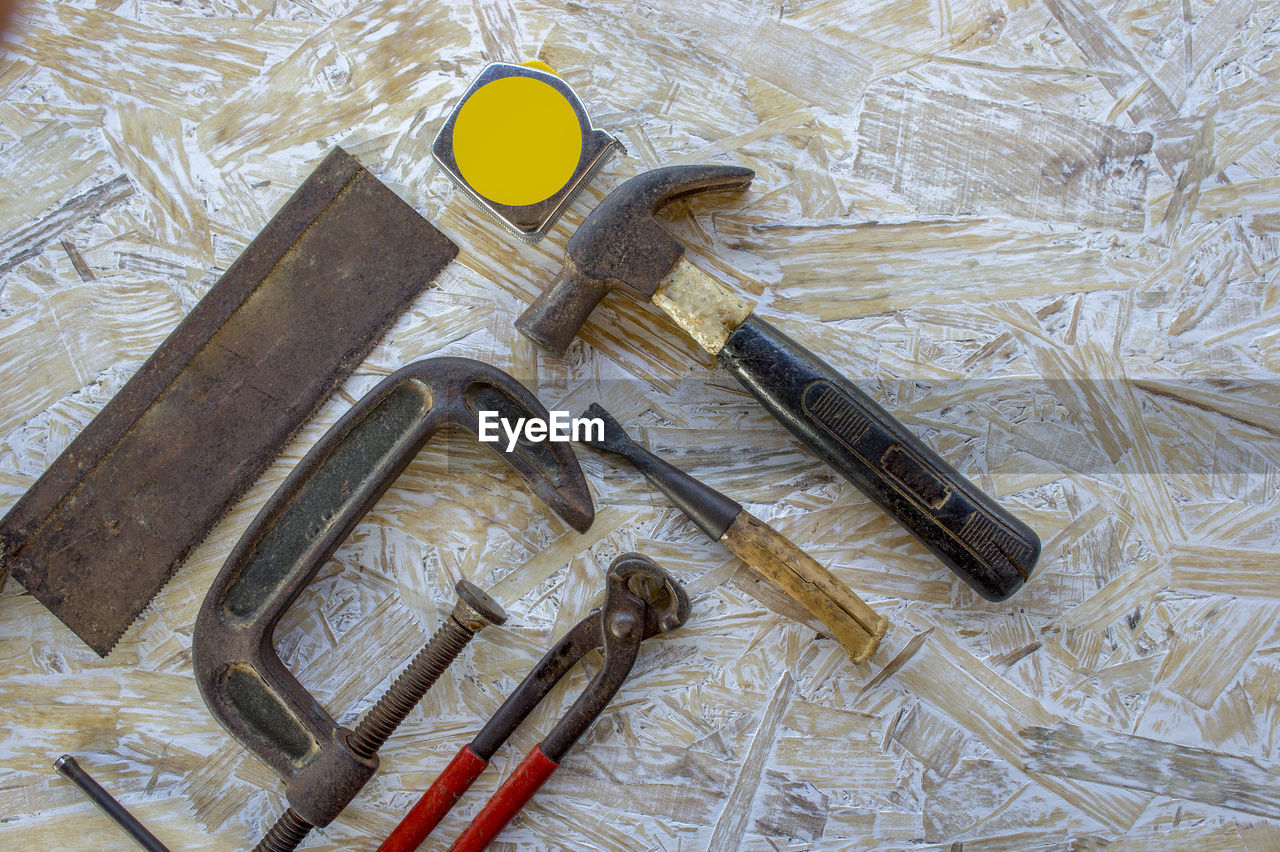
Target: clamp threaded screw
473, 611
289, 831
394, 706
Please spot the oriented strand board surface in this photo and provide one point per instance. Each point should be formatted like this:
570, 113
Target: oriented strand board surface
1042, 231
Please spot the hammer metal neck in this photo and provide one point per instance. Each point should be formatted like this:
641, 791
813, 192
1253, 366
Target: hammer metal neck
705, 309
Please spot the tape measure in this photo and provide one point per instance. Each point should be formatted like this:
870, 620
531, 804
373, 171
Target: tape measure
521, 144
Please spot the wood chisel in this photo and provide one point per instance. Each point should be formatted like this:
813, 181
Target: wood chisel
851, 621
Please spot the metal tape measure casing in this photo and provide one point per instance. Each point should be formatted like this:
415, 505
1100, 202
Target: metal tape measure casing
521, 144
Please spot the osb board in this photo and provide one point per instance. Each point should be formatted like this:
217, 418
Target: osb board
1042, 232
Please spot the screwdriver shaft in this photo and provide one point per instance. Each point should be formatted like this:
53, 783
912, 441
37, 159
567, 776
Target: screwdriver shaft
108, 804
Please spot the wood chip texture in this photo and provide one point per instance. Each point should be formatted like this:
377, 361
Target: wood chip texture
1043, 233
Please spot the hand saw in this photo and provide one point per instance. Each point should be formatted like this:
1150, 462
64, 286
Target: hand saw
112, 518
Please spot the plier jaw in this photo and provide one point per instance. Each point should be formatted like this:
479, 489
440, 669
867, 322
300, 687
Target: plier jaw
641, 600
666, 603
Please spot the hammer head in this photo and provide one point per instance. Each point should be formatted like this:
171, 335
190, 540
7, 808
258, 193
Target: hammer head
622, 245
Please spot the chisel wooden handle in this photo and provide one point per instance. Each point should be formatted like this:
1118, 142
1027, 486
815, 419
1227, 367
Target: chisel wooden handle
854, 624
989, 548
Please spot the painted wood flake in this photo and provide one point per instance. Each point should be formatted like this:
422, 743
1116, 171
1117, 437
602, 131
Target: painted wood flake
1140, 763
949, 154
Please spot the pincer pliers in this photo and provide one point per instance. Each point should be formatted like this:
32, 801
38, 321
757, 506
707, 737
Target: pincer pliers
641, 600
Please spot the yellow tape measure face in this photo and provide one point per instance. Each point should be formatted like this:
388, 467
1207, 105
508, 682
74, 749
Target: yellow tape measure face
517, 140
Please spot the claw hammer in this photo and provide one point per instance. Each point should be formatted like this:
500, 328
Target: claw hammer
621, 245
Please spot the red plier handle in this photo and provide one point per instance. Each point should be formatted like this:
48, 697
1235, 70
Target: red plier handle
641, 600
439, 799
506, 802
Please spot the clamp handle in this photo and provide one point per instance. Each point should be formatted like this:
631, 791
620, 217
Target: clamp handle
244, 683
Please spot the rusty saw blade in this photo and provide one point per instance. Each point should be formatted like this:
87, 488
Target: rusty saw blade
110, 521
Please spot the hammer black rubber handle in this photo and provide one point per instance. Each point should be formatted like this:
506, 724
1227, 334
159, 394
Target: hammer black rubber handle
989, 548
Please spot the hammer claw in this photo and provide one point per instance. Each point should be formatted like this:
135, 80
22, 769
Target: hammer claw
655, 189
